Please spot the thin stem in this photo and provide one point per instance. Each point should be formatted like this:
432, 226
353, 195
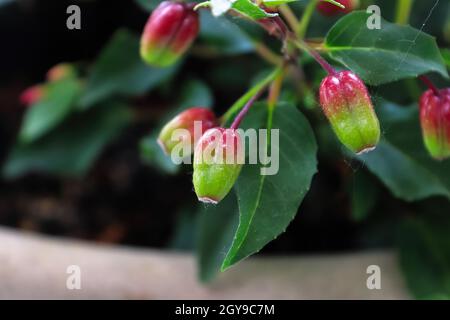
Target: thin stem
403, 11
430, 85
264, 52
238, 105
290, 17
320, 60
275, 90
237, 121
306, 18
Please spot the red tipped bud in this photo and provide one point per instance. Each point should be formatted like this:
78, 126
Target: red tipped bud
328, 9
187, 120
61, 71
435, 122
218, 159
32, 95
347, 105
169, 32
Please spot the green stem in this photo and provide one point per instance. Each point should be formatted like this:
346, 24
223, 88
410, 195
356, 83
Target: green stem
238, 105
306, 18
403, 11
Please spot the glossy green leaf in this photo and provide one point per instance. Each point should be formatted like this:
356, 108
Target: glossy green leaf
216, 227
251, 10
194, 94
72, 147
401, 161
119, 70
275, 3
46, 114
383, 55
268, 203
424, 244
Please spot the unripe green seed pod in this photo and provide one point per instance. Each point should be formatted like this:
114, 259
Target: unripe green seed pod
218, 159
435, 122
347, 105
203, 117
169, 32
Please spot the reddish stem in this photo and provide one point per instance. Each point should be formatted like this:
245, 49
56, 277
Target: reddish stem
237, 121
325, 65
430, 85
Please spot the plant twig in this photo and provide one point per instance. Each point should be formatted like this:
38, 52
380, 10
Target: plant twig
290, 17
264, 52
239, 104
306, 18
237, 121
320, 60
430, 85
403, 11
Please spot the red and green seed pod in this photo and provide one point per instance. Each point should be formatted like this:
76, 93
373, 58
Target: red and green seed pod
169, 32
187, 120
61, 71
435, 122
32, 95
218, 159
347, 105
328, 9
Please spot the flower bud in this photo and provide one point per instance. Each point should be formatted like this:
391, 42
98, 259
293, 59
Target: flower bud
169, 32
328, 9
61, 71
187, 120
32, 95
218, 159
347, 105
435, 122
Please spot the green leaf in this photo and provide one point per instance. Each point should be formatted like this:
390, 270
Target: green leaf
46, 114
401, 161
275, 3
222, 36
383, 55
72, 147
424, 244
119, 70
268, 203
251, 10
194, 93
446, 55
216, 227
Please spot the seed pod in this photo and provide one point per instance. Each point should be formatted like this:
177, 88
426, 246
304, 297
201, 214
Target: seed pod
435, 122
187, 120
328, 9
347, 105
169, 32
32, 95
218, 159
61, 71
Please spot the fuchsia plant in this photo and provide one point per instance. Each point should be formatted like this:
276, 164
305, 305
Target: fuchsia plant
315, 91
435, 120
344, 98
